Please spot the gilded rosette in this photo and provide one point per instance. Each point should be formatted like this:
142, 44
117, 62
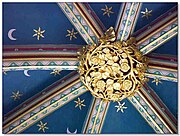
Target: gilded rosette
112, 70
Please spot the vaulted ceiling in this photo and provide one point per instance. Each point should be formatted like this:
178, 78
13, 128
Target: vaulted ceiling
42, 92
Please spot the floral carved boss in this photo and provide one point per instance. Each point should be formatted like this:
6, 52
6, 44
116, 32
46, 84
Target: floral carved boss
112, 70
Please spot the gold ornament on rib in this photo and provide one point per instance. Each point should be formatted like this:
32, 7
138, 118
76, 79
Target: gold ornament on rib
112, 70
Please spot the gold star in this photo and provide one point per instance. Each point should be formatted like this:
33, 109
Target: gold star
16, 95
42, 126
120, 107
146, 13
79, 103
157, 81
71, 34
107, 11
38, 33
55, 72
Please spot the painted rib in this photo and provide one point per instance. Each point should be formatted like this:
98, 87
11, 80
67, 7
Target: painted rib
154, 111
158, 32
44, 103
135, 100
167, 62
43, 47
63, 57
91, 18
127, 20
84, 20
95, 119
39, 65
163, 67
161, 74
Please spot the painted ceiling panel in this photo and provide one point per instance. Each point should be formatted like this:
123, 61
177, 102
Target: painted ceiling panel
168, 92
157, 10
170, 47
66, 118
109, 19
29, 16
126, 121
28, 84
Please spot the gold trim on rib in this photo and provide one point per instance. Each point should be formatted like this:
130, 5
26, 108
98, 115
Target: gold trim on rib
94, 21
46, 109
147, 114
39, 67
162, 68
89, 115
40, 59
127, 21
155, 112
55, 88
120, 16
94, 31
135, 17
98, 112
103, 117
155, 31
141, 113
43, 46
48, 114
161, 43
159, 38
40, 53
40, 103
161, 76
80, 25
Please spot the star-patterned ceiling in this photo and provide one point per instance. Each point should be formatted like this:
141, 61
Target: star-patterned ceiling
46, 27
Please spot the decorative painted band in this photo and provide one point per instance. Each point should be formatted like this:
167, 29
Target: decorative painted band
68, 55
162, 74
143, 108
158, 32
91, 18
159, 38
40, 65
159, 108
47, 107
96, 116
156, 25
67, 81
127, 20
42, 47
79, 22
163, 57
95, 18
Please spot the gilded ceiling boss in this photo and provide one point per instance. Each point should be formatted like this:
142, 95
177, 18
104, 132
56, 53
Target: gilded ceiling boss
112, 70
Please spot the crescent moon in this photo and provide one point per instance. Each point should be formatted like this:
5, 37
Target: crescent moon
26, 73
68, 132
10, 34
